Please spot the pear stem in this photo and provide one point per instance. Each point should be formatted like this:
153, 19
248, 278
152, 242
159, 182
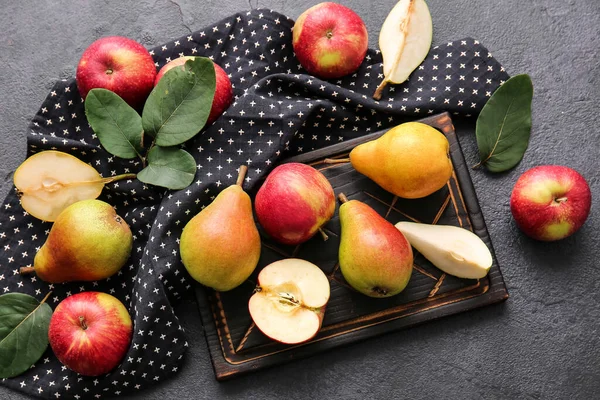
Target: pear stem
45, 298
82, 323
379, 91
26, 270
336, 160
118, 178
323, 234
342, 198
241, 175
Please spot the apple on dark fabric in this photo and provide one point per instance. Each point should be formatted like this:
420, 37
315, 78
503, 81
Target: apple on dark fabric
90, 332
223, 89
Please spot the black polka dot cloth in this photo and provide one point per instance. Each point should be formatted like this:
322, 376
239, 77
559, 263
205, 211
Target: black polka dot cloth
278, 111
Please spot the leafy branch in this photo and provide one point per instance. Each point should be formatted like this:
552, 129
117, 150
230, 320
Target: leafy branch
175, 111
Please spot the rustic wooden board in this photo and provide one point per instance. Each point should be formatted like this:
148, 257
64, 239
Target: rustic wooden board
237, 346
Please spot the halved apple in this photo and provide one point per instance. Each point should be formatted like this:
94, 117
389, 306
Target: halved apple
290, 299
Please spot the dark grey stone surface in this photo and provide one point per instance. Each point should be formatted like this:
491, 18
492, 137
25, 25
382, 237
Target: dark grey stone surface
543, 343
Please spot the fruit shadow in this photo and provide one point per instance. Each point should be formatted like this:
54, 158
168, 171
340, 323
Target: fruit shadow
558, 255
406, 342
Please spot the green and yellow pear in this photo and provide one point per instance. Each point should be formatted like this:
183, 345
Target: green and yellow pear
220, 246
374, 259
88, 241
410, 160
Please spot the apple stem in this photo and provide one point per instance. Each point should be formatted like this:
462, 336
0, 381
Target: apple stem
336, 160
560, 199
118, 178
26, 270
82, 323
342, 198
241, 175
323, 234
379, 91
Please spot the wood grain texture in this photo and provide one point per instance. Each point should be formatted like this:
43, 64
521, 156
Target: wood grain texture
237, 346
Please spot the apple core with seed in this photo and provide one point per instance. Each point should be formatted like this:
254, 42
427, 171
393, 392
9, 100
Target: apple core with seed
289, 302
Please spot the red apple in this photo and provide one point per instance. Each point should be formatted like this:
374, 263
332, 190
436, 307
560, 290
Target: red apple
90, 332
330, 40
119, 64
550, 202
223, 89
294, 202
289, 303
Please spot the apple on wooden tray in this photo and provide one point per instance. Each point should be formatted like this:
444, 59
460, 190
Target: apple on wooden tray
294, 202
550, 202
289, 302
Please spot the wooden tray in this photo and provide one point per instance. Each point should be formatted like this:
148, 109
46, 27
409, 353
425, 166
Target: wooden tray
237, 346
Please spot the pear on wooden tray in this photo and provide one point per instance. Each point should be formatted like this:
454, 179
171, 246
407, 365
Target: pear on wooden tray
87, 242
456, 251
220, 246
50, 181
410, 160
289, 302
375, 258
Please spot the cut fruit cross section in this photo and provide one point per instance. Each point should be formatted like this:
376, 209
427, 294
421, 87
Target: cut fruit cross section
404, 40
454, 250
50, 181
290, 301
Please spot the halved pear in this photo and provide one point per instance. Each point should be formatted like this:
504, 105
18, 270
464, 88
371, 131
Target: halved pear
289, 302
404, 41
50, 181
456, 251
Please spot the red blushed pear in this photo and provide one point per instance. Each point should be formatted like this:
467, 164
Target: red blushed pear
294, 202
375, 257
119, 64
223, 89
330, 40
220, 246
550, 202
90, 332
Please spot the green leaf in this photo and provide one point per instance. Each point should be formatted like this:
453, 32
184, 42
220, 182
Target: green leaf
504, 124
179, 105
169, 167
117, 125
24, 325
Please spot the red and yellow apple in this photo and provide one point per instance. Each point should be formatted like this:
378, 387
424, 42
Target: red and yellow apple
550, 202
90, 332
330, 40
294, 202
289, 302
119, 64
223, 89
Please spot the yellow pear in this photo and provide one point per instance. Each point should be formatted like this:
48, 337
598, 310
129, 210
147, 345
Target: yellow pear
411, 160
220, 246
87, 242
